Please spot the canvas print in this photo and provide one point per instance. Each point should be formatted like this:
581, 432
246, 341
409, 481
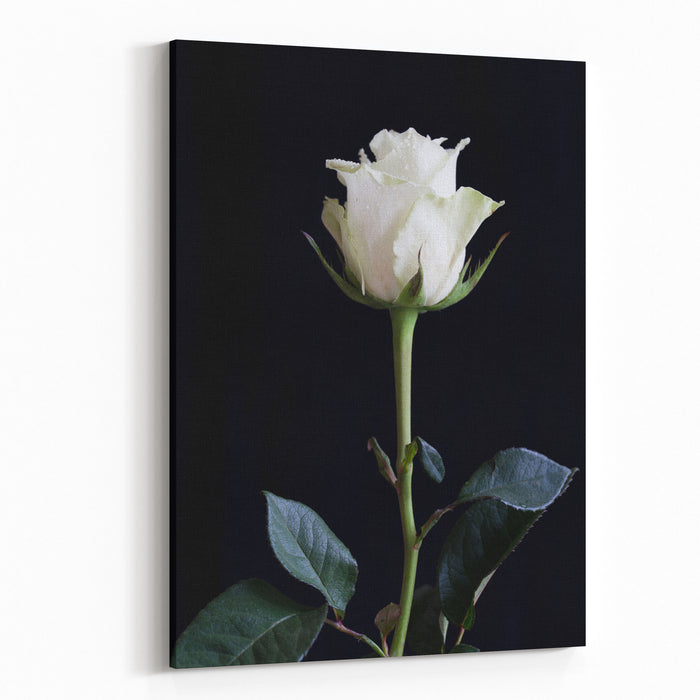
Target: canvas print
377, 354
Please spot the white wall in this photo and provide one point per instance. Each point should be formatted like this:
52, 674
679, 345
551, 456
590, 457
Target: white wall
83, 342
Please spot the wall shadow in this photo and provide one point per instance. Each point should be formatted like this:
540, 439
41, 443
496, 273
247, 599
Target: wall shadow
148, 282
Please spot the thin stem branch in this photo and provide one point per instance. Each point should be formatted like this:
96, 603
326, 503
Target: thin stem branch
403, 321
431, 522
337, 624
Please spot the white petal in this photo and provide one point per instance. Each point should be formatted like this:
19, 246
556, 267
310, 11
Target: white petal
341, 167
335, 220
340, 164
444, 180
331, 216
383, 143
439, 228
377, 208
409, 156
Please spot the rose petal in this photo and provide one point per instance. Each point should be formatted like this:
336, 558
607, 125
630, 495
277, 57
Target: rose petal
439, 228
331, 216
340, 165
444, 179
400, 205
409, 156
334, 219
377, 207
384, 142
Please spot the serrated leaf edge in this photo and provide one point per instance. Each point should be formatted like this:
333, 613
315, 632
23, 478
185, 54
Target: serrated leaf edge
321, 588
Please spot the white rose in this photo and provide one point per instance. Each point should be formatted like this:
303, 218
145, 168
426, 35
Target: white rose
403, 206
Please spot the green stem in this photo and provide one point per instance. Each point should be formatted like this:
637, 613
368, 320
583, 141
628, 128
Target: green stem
337, 624
403, 321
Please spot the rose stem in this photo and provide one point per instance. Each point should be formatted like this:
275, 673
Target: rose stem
403, 321
338, 624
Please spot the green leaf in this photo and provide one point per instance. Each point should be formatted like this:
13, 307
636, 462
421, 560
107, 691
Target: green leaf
426, 632
463, 649
482, 538
307, 548
431, 461
462, 288
350, 290
250, 623
386, 619
519, 478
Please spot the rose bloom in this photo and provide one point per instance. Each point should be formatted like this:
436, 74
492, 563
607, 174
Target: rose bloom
402, 208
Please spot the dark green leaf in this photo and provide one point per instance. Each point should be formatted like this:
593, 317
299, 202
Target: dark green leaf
463, 649
431, 461
482, 538
386, 619
426, 633
250, 623
520, 478
309, 551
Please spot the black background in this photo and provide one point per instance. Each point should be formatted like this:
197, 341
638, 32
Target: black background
278, 379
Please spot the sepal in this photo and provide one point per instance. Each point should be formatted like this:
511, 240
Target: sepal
413, 294
348, 284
